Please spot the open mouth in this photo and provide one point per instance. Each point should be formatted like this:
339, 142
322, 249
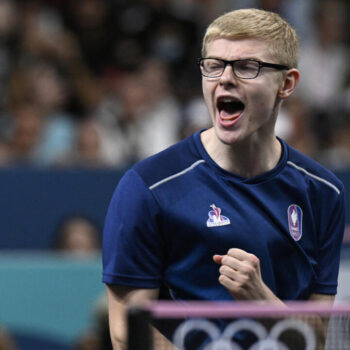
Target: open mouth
229, 108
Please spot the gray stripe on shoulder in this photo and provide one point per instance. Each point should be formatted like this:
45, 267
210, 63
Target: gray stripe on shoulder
336, 189
177, 174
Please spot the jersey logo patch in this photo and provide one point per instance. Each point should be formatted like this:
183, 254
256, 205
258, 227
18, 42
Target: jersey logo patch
295, 221
215, 217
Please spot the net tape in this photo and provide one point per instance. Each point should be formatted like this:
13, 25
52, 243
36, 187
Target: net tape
297, 317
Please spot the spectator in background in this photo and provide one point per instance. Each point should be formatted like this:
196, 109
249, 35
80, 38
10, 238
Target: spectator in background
45, 37
44, 85
6, 340
195, 117
9, 33
87, 150
141, 116
335, 150
93, 23
336, 153
294, 125
325, 60
78, 236
91, 45
297, 12
325, 64
23, 137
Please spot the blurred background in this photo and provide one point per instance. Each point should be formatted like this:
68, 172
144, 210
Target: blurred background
88, 87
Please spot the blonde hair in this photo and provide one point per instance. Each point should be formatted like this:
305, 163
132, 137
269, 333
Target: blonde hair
257, 24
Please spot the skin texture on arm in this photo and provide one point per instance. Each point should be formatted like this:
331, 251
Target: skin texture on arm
119, 298
320, 324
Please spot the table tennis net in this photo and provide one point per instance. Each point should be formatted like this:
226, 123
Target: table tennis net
239, 326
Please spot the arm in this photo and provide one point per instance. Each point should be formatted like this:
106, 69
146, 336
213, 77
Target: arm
119, 298
318, 323
240, 274
131, 217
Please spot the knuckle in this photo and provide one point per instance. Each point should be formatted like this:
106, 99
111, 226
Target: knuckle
243, 280
225, 270
222, 279
231, 251
224, 260
248, 270
239, 289
254, 260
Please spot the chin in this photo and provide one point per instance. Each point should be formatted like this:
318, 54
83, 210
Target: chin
227, 137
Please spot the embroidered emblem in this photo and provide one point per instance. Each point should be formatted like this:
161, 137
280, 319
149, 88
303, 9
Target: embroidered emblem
295, 221
215, 217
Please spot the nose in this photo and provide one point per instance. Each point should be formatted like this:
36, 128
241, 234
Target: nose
228, 76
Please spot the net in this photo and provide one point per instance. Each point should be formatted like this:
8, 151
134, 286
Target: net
239, 326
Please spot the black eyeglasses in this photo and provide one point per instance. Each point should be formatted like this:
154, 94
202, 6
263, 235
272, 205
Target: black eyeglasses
243, 69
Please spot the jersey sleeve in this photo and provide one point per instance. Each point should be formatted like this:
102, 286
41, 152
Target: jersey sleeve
331, 239
132, 242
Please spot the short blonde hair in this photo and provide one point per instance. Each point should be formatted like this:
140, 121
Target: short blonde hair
257, 24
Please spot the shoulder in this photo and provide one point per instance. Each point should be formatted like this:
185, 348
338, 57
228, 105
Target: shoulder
173, 160
312, 170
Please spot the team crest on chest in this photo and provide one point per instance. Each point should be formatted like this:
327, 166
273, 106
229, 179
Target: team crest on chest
215, 217
295, 221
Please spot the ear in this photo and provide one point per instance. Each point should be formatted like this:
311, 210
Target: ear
289, 83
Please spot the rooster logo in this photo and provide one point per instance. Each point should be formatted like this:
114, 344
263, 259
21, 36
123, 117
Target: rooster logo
215, 217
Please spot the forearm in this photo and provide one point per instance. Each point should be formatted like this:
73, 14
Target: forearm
118, 333
120, 298
118, 343
119, 338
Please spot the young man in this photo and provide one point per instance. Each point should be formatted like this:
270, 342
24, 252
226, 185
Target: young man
232, 212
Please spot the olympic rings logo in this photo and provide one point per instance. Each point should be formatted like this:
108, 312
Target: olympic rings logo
266, 340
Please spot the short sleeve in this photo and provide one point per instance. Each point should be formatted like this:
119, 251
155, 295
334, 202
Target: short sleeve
329, 249
132, 242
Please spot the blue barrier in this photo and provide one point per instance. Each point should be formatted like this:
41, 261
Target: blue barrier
33, 202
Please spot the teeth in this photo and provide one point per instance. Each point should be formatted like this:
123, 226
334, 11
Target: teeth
228, 99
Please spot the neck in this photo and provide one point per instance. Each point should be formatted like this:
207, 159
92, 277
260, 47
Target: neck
248, 158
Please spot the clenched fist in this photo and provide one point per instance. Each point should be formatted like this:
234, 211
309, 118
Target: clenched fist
240, 274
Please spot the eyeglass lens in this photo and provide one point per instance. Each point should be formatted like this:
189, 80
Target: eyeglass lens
247, 69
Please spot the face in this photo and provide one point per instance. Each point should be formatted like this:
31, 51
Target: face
242, 109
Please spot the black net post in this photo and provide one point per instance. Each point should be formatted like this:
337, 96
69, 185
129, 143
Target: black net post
139, 334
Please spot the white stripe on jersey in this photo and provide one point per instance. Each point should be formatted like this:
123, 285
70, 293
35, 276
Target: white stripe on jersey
314, 176
177, 174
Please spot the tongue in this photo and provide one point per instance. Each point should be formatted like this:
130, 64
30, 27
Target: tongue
228, 115
230, 112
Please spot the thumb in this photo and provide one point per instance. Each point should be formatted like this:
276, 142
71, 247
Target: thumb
217, 258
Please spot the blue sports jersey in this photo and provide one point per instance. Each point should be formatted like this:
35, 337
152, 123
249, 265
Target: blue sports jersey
173, 211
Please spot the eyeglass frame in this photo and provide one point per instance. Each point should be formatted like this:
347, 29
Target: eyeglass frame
261, 64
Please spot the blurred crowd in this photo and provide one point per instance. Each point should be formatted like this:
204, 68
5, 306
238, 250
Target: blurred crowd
104, 83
